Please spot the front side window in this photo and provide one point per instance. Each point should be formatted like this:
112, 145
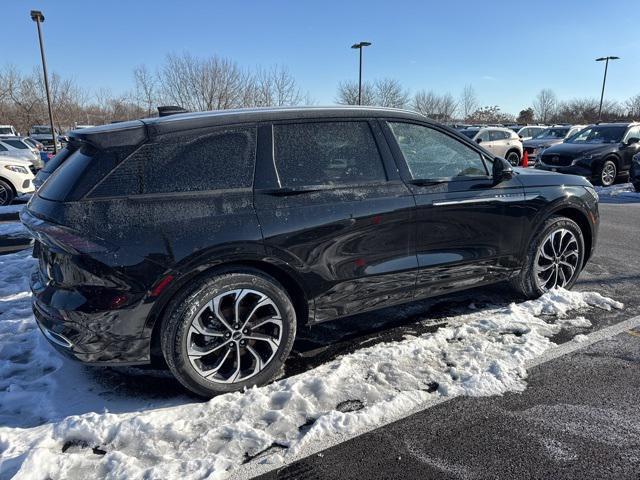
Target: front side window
326, 153
431, 154
16, 144
632, 133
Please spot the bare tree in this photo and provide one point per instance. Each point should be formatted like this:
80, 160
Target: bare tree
348, 93
389, 92
273, 87
145, 89
468, 101
633, 107
545, 105
438, 107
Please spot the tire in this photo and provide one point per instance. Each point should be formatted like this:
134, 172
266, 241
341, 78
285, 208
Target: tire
637, 186
513, 158
607, 174
530, 280
192, 326
6, 193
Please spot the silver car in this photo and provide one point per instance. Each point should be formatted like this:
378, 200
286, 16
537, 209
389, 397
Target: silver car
17, 148
501, 142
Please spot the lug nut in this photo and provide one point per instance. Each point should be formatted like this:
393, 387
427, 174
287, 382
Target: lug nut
227, 334
236, 326
242, 342
231, 345
245, 331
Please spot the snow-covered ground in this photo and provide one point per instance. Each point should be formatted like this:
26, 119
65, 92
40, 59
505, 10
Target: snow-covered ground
59, 419
621, 193
14, 208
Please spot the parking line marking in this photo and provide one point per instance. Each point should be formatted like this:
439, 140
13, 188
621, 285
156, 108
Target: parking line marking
250, 470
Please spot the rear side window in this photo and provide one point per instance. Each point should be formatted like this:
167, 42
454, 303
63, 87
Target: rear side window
77, 170
326, 153
223, 159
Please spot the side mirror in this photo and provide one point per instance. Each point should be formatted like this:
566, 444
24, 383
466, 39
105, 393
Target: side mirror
502, 170
478, 140
633, 140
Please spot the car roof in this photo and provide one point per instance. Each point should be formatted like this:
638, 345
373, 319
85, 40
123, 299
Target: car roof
617, 124
135, 131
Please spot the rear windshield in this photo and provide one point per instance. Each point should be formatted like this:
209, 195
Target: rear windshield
6, 131
81, 169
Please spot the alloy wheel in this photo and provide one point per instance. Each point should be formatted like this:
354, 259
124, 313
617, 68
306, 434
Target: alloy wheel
513, 159
5, 195
235, 336
608, 174
557, 259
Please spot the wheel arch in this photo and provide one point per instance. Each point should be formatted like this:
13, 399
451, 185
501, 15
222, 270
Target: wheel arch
10, 183
280, 273
574, 213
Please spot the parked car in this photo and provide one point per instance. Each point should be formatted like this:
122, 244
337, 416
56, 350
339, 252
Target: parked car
42, 134
530, 131
16, 178
34, 143
549, 136
634, 174
210, 238
602, 152
8, 130
16, 148
501, 142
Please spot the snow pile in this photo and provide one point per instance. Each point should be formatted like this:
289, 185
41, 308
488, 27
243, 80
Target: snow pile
621, 193
481, 353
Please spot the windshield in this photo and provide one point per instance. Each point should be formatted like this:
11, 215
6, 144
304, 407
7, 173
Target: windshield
553, 133
40, 130
469, 133
16, 144
6, 131
599, 134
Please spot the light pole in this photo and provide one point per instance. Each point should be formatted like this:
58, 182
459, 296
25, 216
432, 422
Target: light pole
604, 81
38, 17
360, 46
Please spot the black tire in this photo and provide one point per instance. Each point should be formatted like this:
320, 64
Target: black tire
513, 157
6, 193
525, 282
604, 177
185, 307
637, 186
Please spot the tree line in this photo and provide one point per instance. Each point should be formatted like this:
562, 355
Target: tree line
215, 82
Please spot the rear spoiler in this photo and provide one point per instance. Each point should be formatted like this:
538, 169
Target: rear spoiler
120, 134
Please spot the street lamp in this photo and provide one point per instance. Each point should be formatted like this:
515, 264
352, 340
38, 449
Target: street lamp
38, 17
606, 66
360, 46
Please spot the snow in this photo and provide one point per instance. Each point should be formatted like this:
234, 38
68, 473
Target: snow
14, 208
621, 193
63, 420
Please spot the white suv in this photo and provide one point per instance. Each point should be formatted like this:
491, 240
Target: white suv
501, 142
15, 179
8, 130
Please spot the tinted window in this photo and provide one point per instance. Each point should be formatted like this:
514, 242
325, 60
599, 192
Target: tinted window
431, 154
81, 169
16, 144
498, 135
3, 148
599, 134
326, 153
187, 163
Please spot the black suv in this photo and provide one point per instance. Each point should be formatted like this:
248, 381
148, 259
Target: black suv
600, 152
210, 238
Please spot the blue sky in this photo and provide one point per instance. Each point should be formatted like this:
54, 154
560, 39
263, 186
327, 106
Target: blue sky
508, 50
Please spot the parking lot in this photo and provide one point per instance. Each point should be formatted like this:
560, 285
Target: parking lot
574, 419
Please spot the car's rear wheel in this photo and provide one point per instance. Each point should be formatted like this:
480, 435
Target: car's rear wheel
6, 193
554, 258
513, 158
607, 174
230, 331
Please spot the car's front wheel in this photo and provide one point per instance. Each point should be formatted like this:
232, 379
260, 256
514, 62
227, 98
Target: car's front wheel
6, 193
554, 258
231, 330
607, 173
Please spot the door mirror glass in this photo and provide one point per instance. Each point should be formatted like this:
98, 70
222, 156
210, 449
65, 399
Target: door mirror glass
502, 170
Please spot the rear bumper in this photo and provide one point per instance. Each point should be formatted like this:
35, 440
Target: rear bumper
93, 338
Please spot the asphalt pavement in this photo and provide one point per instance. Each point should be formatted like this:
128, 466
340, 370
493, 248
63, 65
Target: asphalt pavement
578, 418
